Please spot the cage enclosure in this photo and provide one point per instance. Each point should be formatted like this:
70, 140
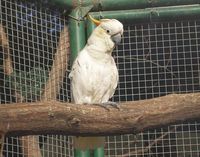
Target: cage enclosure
159, 55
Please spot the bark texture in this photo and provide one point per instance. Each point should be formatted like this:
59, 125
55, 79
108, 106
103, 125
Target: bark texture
54, 117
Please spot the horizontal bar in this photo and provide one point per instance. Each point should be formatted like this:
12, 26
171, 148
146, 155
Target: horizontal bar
105, 5
141, 4
152, 14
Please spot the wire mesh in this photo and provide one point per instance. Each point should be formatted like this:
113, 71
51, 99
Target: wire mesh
173, 141
153, 60
31, 45
158, 59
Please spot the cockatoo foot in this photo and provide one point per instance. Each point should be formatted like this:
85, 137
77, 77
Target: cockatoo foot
113, 104
107, 104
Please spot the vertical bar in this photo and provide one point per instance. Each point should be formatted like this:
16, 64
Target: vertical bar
77, 35
90, 27
76, 32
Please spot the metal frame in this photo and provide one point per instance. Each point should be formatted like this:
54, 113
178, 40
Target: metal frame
107, 5
156, 10
171, 13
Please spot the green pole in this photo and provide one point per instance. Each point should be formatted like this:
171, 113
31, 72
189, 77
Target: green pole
152, 14
76, 32
90, 27
104, 5
77, 42
140, 4
82, 153
99, 152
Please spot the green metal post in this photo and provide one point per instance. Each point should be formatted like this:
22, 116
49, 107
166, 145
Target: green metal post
99, 152
140, 4
90, 27
82, 153
77, 33
104, 5
152, 14
77, 42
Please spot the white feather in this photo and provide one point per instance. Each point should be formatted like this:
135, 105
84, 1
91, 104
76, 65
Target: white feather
94, 74
93, 80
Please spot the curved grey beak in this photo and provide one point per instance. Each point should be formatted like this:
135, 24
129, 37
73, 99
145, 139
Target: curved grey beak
116, 38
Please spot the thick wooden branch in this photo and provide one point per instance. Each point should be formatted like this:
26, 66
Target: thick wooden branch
4, 42
58, 68
54, 117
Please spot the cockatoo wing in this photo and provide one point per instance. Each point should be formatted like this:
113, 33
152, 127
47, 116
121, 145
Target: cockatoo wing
93, 81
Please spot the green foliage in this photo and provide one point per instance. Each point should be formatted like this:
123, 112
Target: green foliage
28, 84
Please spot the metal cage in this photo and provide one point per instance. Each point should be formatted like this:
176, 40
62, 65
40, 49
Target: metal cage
159, 55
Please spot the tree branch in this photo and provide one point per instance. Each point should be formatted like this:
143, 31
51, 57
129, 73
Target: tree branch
30, 144
142, 151
59, 67
53, 117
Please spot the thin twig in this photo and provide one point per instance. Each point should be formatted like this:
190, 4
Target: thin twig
142, 151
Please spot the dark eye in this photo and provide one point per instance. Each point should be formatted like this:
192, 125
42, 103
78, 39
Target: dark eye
108, 31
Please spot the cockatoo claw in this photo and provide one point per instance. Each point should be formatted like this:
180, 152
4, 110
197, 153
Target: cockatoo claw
113, 104
107, 104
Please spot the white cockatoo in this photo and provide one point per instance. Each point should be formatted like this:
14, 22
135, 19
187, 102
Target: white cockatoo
94, 75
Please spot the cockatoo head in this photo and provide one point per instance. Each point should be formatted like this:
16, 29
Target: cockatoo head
109, 30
